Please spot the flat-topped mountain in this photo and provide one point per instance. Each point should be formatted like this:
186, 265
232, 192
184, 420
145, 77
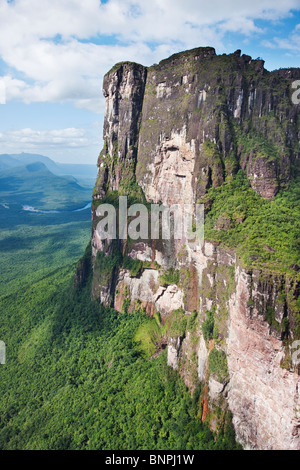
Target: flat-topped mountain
223, 131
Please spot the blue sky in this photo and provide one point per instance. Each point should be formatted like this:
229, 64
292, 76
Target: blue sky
54, 53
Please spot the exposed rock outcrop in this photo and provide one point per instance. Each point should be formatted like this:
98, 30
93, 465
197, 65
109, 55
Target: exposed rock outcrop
171, 132
263, 396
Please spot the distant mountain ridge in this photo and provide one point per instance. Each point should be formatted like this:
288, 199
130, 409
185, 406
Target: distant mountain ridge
35, 185
78, 171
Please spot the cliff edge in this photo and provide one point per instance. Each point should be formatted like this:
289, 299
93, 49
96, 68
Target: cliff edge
222, 131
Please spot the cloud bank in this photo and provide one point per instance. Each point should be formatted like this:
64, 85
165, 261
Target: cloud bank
58, 50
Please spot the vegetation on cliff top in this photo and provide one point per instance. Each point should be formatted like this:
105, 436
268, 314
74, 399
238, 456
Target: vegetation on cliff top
264, 233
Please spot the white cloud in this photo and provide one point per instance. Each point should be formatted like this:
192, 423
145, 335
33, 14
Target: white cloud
32, 139
290, 43
69, 145
48, 45
2, 92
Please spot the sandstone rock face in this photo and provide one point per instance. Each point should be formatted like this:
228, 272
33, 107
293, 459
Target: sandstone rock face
202, 359
171, 299
171, 132
173, 352
143, 289
215, 389
171, 180
123, 90
146, 289
263, 397
176, 123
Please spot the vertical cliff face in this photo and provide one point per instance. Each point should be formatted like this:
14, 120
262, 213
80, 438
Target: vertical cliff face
171, 132
262, 395
123, 89
214, 113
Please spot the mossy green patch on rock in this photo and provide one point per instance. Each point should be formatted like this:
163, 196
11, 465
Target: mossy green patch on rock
217, 363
